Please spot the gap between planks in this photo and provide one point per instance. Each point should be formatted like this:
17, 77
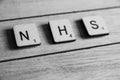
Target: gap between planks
47, 54
45, 15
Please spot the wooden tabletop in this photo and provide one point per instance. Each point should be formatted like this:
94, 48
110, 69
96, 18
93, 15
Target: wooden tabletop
87, 58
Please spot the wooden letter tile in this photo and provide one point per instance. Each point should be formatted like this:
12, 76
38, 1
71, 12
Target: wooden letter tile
62, 30
26, 34
95, 25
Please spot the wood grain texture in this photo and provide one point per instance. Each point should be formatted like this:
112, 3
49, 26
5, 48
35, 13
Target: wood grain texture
8, 49
26, 8
96, 58
100, 63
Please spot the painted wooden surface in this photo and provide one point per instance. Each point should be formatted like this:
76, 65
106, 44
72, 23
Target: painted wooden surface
87, 58
101, 63
28, 8
8, 45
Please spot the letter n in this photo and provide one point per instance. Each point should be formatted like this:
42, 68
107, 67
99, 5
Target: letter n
26, 36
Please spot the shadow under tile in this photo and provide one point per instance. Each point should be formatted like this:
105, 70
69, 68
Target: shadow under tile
83, 32
47, 33
11, 42
10, 39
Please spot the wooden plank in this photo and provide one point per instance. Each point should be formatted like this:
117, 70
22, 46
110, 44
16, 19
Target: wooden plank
101, 63
7, 42
26, 8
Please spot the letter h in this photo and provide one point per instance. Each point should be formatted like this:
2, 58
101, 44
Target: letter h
60, 30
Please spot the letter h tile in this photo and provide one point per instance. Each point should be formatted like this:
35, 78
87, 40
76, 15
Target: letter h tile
62, 30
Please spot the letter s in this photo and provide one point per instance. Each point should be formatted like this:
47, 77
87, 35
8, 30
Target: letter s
95, 26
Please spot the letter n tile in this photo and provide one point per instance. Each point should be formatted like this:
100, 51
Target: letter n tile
26, 35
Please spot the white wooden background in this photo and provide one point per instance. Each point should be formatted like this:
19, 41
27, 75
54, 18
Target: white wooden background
96, 58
